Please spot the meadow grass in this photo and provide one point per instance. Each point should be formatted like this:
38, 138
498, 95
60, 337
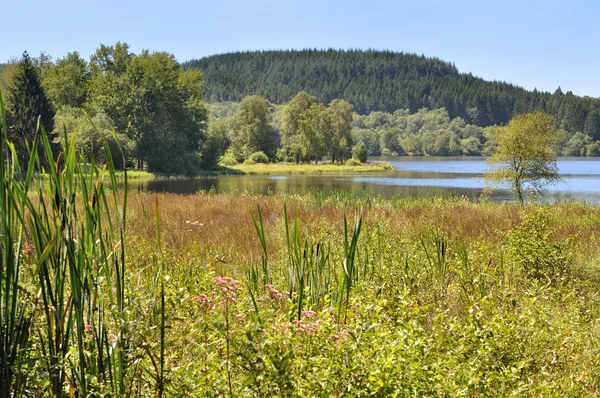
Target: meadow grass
444, 297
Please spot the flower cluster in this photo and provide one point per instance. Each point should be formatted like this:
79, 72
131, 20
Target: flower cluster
274, 293
203, 300
226, 284
305, 327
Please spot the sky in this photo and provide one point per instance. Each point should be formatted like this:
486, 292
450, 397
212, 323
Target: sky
530, 43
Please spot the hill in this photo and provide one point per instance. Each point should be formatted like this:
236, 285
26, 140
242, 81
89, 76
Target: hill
386, 81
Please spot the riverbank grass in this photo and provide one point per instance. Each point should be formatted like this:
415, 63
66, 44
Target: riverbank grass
305, 168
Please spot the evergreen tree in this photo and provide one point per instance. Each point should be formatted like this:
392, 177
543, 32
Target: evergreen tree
383, 81
28, 102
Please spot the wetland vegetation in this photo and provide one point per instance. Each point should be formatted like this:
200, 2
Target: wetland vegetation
107, 292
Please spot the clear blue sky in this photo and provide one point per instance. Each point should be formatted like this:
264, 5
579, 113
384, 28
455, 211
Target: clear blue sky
531, 43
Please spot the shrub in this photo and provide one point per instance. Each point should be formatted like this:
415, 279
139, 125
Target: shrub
532, 247
259, 157
360, 152
249, 161
281, 156
227, 160
353, 162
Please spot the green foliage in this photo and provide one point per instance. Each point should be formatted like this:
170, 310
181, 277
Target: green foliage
28, 101
353, 162
63, 272
385, 81
259, 157
426, 132
89, 133
155, 103
293, 115
533, 247
67, 82
228, 159
216, 143
340, 141
360, 152
251, 130
525, 154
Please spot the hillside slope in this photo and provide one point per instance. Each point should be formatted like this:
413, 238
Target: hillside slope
386, 81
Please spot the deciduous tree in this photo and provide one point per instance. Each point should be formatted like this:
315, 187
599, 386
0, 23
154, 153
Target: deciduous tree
525, 154
251, 130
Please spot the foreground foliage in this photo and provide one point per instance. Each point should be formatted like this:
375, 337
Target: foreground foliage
425, 297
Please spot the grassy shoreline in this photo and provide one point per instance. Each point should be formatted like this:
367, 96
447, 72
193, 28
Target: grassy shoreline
309, 168
268, 169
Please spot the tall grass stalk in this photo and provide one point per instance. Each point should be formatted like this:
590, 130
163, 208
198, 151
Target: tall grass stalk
60, 233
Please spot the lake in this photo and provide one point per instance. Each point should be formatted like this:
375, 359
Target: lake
412, 176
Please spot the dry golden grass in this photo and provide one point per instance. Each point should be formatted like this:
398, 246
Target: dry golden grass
222, 224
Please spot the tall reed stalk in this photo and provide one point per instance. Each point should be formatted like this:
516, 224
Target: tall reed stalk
64, 232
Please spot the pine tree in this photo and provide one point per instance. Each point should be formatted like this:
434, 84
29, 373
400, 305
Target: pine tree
28, 102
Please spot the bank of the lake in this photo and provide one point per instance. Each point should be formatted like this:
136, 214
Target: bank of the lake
309, 168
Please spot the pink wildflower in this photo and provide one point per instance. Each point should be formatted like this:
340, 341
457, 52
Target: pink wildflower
226, 283
239, 318
29, 249
203, 299
274, 293
89, 328
309, 314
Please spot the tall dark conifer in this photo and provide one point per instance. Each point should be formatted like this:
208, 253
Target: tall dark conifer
28, 102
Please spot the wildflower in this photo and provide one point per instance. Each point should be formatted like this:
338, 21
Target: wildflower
274, 293
89, 328
308, 314
29, 249
203, 299
226, 283
239, 318
112, 336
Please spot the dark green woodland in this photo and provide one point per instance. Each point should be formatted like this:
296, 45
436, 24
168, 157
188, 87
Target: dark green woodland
387, 81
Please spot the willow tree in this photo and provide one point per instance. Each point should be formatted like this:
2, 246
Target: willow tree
525, 156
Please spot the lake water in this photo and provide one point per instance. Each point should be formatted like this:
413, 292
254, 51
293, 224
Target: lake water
412, 176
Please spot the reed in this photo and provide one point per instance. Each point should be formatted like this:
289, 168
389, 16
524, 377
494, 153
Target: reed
63, 266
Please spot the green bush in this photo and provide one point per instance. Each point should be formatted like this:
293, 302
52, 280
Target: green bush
259, 157
353, 162
533, 248
360, 152
249, 161
227, 160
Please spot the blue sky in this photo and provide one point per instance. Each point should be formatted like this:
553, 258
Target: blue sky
531, 43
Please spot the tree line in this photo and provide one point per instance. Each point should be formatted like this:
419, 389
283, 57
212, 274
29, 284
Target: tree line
302, 130
387, 81
157, 108
291, 128
154, 104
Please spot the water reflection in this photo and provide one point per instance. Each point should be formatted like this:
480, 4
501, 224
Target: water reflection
414, 176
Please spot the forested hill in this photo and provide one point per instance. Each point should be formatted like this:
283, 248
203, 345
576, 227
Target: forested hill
386, 81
